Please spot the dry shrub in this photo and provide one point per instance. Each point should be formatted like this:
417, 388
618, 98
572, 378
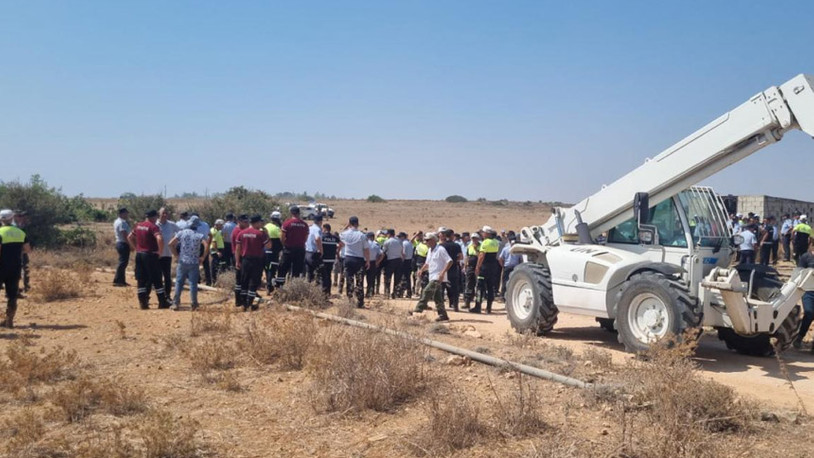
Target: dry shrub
23, 429
519, 413
523, 340
225, 285
83, 396
228, 381
601, 359
58, 284
24, 368
347, 309
212, 355
111, 445
210, 322
283, 338
357, 369
454, 422
164, 436
298, 291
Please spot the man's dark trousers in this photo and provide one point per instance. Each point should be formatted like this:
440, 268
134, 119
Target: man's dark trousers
165, 262
123, 249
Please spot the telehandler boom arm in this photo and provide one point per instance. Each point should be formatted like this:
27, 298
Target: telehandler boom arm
759, 122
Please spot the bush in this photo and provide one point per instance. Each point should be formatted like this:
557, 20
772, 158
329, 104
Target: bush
79, 237
83, 396
373, 198
59, 285
454, 422
286, 339
455, 198
355, 369
46, 208
236, 200
80, 209
164, 436
139, 205
210, 322
301, 292
25, 368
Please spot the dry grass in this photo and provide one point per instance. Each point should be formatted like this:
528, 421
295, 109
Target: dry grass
59, 285
225, 285
355, 369
520, 412
453, 422
24, 369
281, 337
298, 291
211, 322
212, 355
23, 429
72, 258
165, 436
86, 395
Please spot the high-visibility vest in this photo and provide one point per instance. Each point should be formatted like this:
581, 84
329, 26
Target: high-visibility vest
273, 230
217, 239
11, 234
422, 250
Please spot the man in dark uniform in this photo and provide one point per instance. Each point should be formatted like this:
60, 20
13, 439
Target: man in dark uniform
13, 245
242, 223
488, 268
806, 261
147, 241
293, 234
330, 248
472, 252
250, 260
273, 253
21, 221
453, 283
228, 251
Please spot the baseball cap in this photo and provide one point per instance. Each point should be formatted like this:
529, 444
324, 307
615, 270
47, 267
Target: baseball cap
430, 236
151, 213
489, 230
243, 217
194, 221
475, 235
353, 220
219, 221
803, 217
441, 230
6, 215
256, 219
294, 209
370, 234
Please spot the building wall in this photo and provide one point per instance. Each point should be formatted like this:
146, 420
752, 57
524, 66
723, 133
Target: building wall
773, 206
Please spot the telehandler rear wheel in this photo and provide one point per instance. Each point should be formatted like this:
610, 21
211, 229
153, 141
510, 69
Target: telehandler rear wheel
761, 344
651, 307
529, 299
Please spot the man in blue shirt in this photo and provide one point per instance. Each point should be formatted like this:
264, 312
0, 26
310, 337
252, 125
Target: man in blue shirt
357, 259
785, 235
228, 227
508, 261
121, 229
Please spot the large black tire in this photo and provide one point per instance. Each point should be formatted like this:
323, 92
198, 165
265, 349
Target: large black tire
607, 324
761, 344
665, 302
530, 284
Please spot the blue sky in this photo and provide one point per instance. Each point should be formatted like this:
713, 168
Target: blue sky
526, 100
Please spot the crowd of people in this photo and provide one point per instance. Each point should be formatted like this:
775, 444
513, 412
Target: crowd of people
761, 239
439, 266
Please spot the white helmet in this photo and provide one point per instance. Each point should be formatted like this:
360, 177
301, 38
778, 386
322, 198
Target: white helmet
276, 215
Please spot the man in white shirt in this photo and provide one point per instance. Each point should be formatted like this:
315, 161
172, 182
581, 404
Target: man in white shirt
313, 248
357, 259
438, 264
747, 248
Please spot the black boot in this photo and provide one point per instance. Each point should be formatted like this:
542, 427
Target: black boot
475, 309
488, 307
163, 303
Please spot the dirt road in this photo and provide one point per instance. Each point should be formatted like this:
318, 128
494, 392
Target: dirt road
760, 378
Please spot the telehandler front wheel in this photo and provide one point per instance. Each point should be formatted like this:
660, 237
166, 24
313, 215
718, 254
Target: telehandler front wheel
529, 299
649, 308
764, 344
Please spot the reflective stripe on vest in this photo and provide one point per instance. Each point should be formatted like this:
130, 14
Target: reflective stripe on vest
12, 234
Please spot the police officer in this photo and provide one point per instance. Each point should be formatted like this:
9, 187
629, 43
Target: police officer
419, 258
168, 231
228, 227
13, 245
376, 257
406, 265
801, 235
357, 259
21, 221
273, 253
330, 249
313, 248
488, 268
453, 283
394, 257
508, 262
471, 262
147, 241
293, 234
217, 248
250, 260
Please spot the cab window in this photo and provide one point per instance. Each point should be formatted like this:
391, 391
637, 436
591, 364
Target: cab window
664, 216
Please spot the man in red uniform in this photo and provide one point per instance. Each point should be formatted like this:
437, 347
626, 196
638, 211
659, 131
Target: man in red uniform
147, 241
242, 223
250, 260
293, 234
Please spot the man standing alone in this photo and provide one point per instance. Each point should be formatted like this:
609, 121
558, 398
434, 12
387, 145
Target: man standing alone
147, 241
121, 229
13, 244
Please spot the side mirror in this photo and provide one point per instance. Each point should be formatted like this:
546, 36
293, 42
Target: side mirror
641, 207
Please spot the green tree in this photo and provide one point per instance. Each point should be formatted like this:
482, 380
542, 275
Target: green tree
139, 205
46, 207
238, 200
373, 198
456, 199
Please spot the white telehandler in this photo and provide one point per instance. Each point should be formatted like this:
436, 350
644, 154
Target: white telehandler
666, 267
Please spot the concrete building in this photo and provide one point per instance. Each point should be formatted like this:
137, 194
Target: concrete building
773, 206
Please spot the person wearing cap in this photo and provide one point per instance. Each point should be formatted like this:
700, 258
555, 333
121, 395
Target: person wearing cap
13, 244
228, 227
168, 231
488, 268
147, 241
437, 265
508, 261
471, 261
453, 284
216, 248
406, 265
242, 224
293, 234
330, 249
205, 230
419, 258
785, 236
313, 248
376, 257
748, 244
186, 244
767, 241
183, 220
20, 220
381, 237
250, 260
357, 259
339, 266
394, 257
121, 228
801, 235
272, 254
